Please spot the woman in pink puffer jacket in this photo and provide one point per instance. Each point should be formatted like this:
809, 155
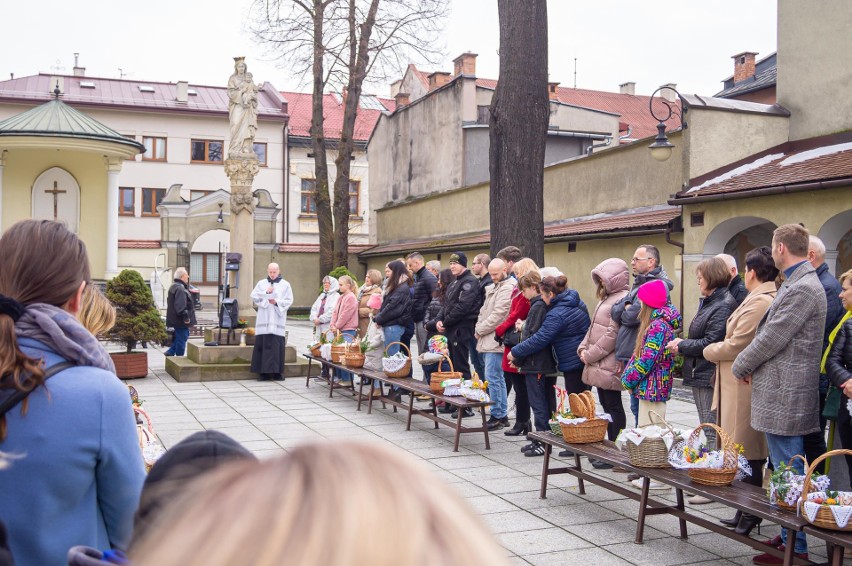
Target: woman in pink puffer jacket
597, 350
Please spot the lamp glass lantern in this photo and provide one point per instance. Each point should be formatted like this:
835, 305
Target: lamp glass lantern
662, 148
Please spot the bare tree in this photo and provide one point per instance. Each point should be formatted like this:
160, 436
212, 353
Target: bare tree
342, 43
518, 129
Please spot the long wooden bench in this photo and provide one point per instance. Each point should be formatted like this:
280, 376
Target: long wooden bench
411, 386
835, 542
415, 387
744, 497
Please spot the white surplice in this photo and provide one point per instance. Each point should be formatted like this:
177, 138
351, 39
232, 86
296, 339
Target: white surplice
272, 318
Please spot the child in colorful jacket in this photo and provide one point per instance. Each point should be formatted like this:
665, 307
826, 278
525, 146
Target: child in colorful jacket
648, 374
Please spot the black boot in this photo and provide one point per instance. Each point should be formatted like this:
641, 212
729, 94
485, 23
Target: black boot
519, 429
747, 523
732, 522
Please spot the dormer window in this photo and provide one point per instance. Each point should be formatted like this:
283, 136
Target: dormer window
146, 88
87, 84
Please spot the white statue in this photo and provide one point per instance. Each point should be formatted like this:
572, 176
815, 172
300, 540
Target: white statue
242, 110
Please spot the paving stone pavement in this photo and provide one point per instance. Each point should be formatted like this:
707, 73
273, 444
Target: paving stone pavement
500, 484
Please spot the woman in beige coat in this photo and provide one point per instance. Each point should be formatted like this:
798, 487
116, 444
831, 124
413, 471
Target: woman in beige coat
372, 285
732, 397
597, 350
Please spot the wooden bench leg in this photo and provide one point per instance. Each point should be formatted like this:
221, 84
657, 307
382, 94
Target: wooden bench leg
330, 382
580, 483
370, 402
308, 378
458, 429
836, 555
681, 520
545, 471
410, 410
360, 390
485, 428
790, 546
643, 507
434, 410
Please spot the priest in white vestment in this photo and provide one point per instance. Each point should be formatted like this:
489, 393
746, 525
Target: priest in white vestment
273, 296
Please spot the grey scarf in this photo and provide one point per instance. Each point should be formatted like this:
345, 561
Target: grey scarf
62, 332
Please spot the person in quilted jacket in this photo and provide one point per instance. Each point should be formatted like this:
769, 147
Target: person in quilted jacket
707, 327
648, 374
838, 362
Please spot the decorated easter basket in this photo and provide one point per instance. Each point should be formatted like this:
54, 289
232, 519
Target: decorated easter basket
716, 476
817, 507
591, 430
396, 366
338, 350
785, 486
652, 452
438, 377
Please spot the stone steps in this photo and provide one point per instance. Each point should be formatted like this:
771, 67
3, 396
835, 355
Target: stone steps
227, 363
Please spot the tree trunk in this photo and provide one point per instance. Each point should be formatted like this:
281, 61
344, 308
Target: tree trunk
359, 57
518, 129
322, 201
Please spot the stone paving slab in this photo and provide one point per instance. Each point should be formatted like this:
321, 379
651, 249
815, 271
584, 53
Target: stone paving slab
500, 484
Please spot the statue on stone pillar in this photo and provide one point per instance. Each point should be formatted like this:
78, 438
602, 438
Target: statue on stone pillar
242, 110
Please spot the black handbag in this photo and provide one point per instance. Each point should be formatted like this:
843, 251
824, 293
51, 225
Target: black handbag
511, 338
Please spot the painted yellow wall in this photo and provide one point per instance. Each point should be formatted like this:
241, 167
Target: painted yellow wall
24, 166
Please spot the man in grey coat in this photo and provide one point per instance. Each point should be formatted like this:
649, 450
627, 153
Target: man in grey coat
782, 362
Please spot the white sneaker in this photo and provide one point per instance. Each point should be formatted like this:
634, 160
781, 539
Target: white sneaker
699, 500
653, 485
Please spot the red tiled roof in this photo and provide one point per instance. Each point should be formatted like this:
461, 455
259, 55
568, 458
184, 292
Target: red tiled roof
314, 248
615, 222
633, 109
422, 75
140, 244
127, 94
300, 109
794, 163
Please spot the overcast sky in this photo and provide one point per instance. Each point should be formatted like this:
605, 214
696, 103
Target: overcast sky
613, 41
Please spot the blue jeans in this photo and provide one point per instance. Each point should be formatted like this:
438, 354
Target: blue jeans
178, 347
537, 393
349, 336
496, 384
477, 359
634, 408
781, 449
393, 333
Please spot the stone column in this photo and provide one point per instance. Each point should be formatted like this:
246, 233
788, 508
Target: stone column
241, 171
113, 167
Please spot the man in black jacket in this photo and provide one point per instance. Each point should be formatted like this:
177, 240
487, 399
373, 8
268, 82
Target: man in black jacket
457, 318
736, 285
424, 286
180, 312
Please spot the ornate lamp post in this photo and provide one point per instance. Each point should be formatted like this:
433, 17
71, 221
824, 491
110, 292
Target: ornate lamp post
661, 149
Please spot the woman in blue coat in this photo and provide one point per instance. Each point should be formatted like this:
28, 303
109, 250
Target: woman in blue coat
563, 329
76, 471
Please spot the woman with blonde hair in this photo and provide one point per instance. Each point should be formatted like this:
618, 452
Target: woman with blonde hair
372, 285
96, 314
345, 318
279, 511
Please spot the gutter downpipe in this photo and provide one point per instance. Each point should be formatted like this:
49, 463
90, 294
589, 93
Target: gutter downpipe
682, 247
285, 226
781, 189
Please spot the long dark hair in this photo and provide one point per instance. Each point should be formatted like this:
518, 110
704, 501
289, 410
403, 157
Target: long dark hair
398, 269
445, 277
43, 262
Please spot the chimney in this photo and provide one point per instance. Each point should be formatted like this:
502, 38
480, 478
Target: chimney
669, 94
78, 70
182, 91
402, 99
553, 91
743, 66
465, 64
627, 88
438, 79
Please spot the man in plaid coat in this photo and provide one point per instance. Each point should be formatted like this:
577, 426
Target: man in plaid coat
782, 362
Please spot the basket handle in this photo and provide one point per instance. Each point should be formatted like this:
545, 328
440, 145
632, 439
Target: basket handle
401, 344
446, 357
731, 455
806, 485
141, 411
799, 457
655, 416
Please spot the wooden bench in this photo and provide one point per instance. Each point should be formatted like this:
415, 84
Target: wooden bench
835, 542
741, 496
332, 385
415, 387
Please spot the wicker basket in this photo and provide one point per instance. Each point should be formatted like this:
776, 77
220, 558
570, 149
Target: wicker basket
315, 350
354, 359
824, 517
439, 376
592, 430
403, 372
779, 502
651, 452
715, 476
338, 350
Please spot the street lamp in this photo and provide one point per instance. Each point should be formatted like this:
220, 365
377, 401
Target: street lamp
661, 149
220, 219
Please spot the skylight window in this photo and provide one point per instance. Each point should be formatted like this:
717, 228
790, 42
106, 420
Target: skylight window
370, 102
146, 88
87, 84
191, 92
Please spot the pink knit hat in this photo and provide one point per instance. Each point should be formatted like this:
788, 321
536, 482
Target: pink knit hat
654, 293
